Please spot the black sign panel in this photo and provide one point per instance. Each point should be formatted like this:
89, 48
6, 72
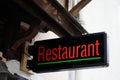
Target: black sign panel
69, 53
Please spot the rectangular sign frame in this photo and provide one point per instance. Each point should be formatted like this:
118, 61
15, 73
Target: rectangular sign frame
69, 53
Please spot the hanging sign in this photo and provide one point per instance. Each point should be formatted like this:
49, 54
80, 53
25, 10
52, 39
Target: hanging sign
69, 53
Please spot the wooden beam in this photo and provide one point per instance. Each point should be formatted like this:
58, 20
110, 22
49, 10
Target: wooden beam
38, 12
25, 37
24, 58
66, 4
75, 10
61, 16
53, 14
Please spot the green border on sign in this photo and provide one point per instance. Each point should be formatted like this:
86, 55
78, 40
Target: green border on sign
73, 60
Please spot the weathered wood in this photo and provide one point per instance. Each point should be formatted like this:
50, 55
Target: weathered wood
44, 15
24, 58
66, 4
41, 14
54, 12
28, 34
75, 10
58, 13
25, 37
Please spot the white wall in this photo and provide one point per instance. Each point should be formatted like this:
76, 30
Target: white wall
63, 75
103, 15
14, 67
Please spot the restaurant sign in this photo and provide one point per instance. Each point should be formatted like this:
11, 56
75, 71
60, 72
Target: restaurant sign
69, 53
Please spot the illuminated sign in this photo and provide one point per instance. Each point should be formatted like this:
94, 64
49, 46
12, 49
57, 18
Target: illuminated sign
69, 53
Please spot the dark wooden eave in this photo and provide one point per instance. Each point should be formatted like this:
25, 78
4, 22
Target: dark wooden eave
61, 20
42, 15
